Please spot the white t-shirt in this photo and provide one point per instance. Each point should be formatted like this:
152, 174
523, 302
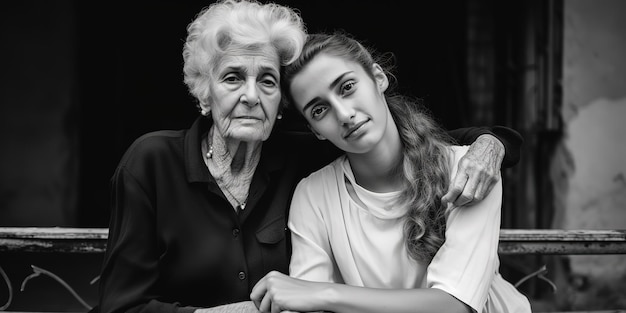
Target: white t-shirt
337, 239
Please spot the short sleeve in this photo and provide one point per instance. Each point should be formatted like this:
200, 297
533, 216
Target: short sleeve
311, 257
467, 262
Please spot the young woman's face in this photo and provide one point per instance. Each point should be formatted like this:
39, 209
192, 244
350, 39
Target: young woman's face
245, 94
342, 103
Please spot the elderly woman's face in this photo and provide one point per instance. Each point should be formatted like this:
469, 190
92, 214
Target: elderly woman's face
245, 94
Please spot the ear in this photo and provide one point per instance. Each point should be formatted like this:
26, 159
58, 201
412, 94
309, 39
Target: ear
318, 135
205, 107
380, 77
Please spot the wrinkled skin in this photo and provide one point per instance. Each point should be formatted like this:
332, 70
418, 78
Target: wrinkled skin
478, 171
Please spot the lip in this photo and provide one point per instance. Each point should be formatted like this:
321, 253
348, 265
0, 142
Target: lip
248, 117
354, 130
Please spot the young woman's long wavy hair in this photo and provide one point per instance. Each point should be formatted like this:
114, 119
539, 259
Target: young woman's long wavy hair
425, 165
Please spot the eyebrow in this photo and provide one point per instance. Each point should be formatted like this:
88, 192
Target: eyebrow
261, 68
268, 69
331, 86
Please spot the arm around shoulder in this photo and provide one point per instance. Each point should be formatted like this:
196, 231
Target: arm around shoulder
510, 139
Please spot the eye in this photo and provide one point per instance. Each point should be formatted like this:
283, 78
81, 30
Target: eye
232, 78
269, 81
348, 87
318, 111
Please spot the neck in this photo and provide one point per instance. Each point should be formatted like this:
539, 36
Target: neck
232, 164
239, 157
377, 170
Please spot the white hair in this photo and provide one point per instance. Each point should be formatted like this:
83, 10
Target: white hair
245, 24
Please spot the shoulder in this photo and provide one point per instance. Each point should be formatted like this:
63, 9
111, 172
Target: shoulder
153, 146
325, 174
455, 153
316, 195
320, 184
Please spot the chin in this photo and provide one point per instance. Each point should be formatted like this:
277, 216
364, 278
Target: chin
252, 135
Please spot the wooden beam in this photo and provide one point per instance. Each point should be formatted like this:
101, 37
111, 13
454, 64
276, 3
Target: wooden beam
512, 241
53, 239
559, 241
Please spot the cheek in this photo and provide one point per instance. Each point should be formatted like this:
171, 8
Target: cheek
272, 106
223, 92
219, 112
324, 128
223, 103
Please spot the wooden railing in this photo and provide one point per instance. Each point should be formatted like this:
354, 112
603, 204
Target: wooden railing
53, 239
512, 242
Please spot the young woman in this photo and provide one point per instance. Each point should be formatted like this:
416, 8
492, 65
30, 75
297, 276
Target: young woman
369, 231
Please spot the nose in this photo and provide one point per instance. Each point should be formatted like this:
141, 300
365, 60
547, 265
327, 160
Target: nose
345, 113
250, 97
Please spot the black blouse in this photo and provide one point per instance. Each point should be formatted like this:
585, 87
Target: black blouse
175, 242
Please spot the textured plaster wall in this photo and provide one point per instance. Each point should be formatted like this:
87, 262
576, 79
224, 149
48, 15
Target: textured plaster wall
597, 193
589, 169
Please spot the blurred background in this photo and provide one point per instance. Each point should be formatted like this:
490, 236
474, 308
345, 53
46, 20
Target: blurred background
80, 80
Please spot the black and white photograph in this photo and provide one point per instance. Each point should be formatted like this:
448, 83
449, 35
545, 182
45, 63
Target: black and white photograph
241, 156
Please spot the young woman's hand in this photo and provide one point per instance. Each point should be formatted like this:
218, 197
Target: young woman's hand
478, 171
277, 292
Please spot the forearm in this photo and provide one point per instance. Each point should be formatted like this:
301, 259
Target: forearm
347, 299
510, 139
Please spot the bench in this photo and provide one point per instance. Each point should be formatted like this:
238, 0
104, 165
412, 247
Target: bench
512, 242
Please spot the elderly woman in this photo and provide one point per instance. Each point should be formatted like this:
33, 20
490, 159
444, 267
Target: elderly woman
199, 215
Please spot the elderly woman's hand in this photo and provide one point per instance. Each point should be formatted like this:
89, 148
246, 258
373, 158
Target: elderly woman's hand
477, 173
